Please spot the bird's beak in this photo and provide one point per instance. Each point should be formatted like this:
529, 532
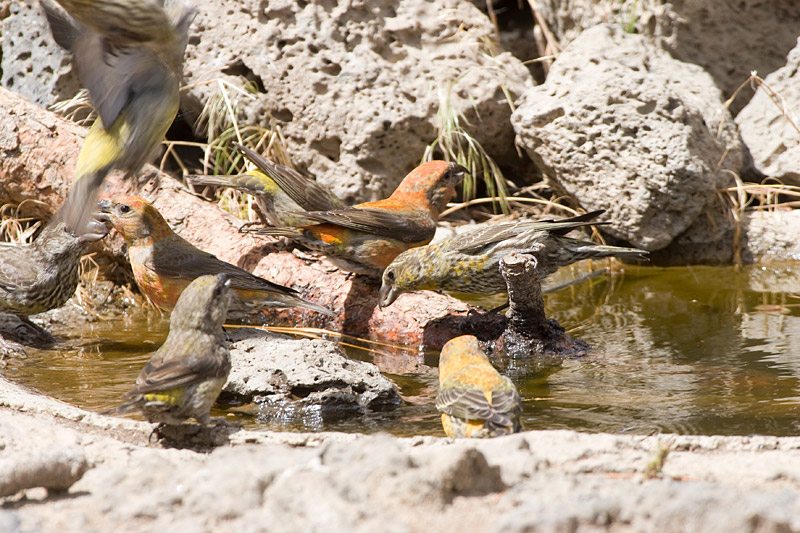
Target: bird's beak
387, 295
104, 213
95, 230
458, 173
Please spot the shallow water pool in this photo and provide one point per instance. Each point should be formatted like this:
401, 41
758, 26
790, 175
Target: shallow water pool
692, 350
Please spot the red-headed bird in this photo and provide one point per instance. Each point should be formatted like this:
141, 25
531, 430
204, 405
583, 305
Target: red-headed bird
366, 237
164, 263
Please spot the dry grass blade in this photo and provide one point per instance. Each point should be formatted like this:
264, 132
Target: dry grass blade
454, 143
326, 334
220, 119
16, 228
546, 41
78, 109
755, 82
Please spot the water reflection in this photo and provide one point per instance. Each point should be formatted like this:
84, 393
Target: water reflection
688, 350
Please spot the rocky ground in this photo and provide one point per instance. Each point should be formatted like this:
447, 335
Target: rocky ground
265, 481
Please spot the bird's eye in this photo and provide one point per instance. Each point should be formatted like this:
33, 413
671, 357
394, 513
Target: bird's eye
390, 275
125, 208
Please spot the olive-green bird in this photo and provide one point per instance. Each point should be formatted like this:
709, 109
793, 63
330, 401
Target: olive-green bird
123, 22
474, 399
306, 193
185, 375
43, 275
469, 263
129, 55
277, 208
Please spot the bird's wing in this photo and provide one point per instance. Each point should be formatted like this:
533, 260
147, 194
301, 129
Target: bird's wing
179, 372
113, 75
307, 193
64, 28
405, 227
188, 263
473, 242
15, 266
472, 404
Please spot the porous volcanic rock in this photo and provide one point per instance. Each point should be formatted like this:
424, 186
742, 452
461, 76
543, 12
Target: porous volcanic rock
624, 127
355, 85
766, 124
728, 38
307, 372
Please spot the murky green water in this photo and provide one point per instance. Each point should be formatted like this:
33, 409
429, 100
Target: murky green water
689, 350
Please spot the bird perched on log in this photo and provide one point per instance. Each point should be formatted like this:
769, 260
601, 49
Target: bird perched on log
164, 263
469, 262
474, 399
277, 207
185, 375
366, 237
129, 55
43, 275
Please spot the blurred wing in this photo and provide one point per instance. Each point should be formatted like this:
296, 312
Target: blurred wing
64, 28
113, 76
404, 227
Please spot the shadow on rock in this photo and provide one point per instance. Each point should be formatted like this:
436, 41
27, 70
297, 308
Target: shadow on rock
193, 436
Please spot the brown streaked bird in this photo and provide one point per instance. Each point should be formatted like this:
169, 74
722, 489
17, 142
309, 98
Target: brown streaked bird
366, 237
185, 375
468, 263
164, 263
43, 275
474, 399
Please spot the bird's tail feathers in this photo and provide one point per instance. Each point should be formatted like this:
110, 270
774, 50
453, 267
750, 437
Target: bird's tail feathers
603, 250
305, 304
125, 407
77, 209
292, 233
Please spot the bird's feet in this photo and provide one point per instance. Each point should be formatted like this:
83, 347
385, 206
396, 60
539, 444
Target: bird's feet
245, 228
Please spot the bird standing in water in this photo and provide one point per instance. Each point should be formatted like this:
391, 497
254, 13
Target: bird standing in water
474, 399
185, 375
